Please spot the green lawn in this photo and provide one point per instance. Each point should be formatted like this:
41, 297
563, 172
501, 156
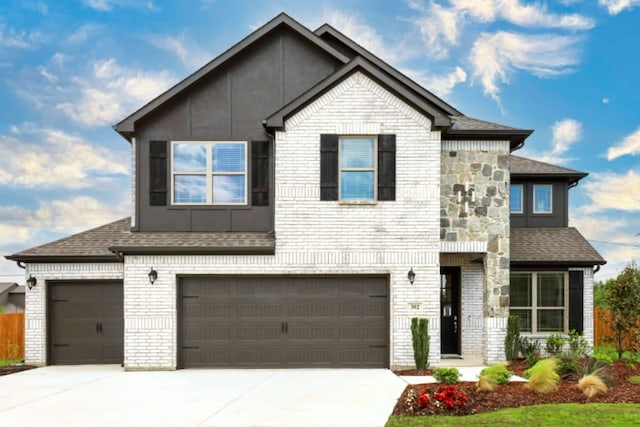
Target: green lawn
571, 414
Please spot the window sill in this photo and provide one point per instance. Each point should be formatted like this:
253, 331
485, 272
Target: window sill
358, 202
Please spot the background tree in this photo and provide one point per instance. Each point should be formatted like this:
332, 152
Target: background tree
600, 291
623, 298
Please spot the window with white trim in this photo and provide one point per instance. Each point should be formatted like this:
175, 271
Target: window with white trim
542, 199
539, 299
209, 172
516, 199
358, 168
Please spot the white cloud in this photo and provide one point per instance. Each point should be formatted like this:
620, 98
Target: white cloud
104, 94
613, 191
614, 7
524, 15
10, 38
50, 158
366, 36
108, 5
84, 33
21, 225
441, 26
566, 132
441, 85
188, 51
605, 100
495, 56
630, 145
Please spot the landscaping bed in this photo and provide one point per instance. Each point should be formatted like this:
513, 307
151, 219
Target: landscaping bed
514, 394
12, 369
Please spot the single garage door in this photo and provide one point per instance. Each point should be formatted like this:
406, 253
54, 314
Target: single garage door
283, 322
86, 323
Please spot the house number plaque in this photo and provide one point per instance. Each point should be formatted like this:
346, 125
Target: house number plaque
415, 306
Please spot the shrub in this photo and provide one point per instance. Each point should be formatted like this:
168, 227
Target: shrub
542, 376
634, 379
591, 385
605, 355
512, 340
555, 342
498, 372
420, 338
530, 350
447, 375
578, 344
486, 383
450, 396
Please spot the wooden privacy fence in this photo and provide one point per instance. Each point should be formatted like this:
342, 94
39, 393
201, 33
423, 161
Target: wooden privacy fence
12, 336
603, 330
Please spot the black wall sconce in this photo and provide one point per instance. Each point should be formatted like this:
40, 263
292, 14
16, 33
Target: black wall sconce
31, 282
411, 276
153, 275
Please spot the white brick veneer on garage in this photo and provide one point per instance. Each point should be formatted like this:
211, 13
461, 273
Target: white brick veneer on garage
35, 334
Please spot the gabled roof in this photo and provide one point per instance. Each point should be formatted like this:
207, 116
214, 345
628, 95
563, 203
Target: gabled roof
327, 30
7, 287
108, 242
527, 168
561, 246
276, 120
126, 126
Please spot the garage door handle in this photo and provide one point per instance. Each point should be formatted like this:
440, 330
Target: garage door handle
377, 296
97, 328
187, 347
286, 327
62, 345
377, 346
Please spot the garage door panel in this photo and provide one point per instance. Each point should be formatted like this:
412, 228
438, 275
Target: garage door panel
86, 323
291, 321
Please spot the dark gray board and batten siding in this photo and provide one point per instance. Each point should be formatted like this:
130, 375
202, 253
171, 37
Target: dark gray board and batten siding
559, 217
228, 104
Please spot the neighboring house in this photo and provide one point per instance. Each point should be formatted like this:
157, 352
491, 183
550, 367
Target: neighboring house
11, 298
296, 202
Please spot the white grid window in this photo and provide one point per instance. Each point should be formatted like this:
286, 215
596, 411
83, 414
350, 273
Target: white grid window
209, 172
358, 161
542, 199
539, 299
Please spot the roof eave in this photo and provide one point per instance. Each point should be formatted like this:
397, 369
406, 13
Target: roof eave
41, 259
514, 136
126, 127
570, 177
199, 250
558, 263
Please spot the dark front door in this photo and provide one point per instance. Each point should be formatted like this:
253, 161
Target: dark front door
450, 310
283, 321
86, 323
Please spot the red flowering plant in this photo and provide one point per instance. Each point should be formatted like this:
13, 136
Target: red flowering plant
442, 400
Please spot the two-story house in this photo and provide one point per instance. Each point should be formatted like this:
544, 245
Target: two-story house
295, 202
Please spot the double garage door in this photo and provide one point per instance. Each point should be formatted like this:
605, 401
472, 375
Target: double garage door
286, 321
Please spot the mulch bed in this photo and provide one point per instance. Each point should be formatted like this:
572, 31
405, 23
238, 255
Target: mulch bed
12, 369
514, 394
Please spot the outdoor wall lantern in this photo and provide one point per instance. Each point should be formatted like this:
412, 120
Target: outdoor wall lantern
31, 282
153, 275
411, 276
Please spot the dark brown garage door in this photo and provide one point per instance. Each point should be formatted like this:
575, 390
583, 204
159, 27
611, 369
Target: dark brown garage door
86, 323
283, 322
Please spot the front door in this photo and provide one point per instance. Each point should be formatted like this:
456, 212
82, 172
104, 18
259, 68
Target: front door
450, 310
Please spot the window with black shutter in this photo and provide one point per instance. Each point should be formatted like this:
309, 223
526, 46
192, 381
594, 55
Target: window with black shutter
576, 300
260, 173
349, 170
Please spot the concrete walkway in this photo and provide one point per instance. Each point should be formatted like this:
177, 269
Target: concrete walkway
467, 374
108, 396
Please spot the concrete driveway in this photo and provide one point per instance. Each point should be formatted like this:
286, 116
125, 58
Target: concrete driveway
108, 396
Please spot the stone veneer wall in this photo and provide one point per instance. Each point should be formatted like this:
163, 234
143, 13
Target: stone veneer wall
484, 167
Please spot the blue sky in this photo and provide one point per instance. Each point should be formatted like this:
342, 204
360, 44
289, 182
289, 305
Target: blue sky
71, 69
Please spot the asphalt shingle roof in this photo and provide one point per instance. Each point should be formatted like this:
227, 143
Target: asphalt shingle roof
557, 245
96, 243
523, 166
469, 123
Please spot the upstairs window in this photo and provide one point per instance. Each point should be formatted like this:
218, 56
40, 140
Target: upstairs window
209, 173
542, 199
357, 168
539, 300
515, 199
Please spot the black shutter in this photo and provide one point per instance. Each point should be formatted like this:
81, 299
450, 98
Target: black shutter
260, 173
328, 167
386, 167
158, 173
576, 298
